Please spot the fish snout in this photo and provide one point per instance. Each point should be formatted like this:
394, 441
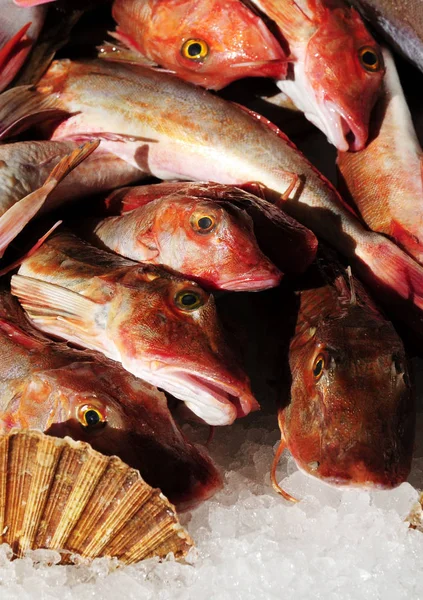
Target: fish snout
263, 276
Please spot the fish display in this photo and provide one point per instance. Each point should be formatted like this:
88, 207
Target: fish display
174, 130
209, 43
19, 30
385, 180
66, 392
400, 22
162, 328
351, 416
339, 99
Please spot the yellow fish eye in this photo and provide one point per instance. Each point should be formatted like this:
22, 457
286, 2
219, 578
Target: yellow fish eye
188, 300
318, 366
195, 49
90, 417
203, 223
369, 59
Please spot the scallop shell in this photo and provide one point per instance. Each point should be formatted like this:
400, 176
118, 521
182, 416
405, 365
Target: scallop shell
63, 495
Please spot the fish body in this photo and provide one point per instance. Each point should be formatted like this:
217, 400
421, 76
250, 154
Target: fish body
385, 180
400, 22
47, 385
19, 29
173, 130
162, 328
210, 43
351, 417
337, 66
210, 242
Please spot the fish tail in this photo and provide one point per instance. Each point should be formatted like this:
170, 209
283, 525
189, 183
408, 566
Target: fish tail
14, 220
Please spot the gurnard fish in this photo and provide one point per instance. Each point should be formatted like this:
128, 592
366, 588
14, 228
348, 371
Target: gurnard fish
174, 130
15, 214
47, 385
19, 29
162, 328
337, 66
190, 231
350, 419
209, 43
401, 23
385, 180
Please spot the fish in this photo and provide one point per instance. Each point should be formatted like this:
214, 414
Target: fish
337, 67
14, 218
210, 43
19, 30
161, 328
350, 418
401, 23
66, 392
174, 130
385, 180
210, 242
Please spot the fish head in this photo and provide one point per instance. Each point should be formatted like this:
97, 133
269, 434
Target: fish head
208, 43
100, 403
212, 242
351, 416
346, 68
170, 336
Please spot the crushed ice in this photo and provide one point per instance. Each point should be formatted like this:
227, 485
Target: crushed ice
252, 544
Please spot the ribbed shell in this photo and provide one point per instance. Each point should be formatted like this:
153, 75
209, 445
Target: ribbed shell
63, 495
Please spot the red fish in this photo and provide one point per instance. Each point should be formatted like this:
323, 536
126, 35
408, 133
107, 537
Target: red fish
351, 416
19, 29
210, 43
337, 66
385, 180
48, 386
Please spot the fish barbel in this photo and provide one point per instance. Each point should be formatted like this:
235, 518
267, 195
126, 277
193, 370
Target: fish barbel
210, 43
19, 29
337, 66
385, 180
162, 328
47, 385
400, 22
351, 416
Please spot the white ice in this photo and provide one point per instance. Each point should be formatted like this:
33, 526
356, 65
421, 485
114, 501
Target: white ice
252, 545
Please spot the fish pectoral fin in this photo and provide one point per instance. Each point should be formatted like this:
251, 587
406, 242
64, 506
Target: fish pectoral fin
14, 220
11, 46
116, 52
59, 311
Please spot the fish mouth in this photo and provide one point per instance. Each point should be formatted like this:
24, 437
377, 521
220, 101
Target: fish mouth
340, 128
275, 69
254, 283
214, 401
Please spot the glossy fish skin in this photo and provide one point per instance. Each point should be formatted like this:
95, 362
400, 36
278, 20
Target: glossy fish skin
351, 417
15, 47
331, 84
223, 254
176, 131
400, 22
47, 385
385, 180
234, 41
162, 328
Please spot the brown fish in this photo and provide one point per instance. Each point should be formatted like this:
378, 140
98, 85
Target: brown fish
49, 386
351, 416
162, 328
385, 180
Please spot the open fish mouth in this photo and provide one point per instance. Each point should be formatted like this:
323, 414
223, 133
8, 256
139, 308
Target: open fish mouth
214, 401
340, 128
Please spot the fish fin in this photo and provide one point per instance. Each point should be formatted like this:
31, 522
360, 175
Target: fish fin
119, 53
59, 311
29, 3
293, 22
22, 106
107, 136
19, 336
14, 220
275, 462
10, 47
409, 242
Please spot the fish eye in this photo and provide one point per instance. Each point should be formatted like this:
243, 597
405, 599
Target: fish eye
318, 366
188, 300
195, 49
398, 365
90, 417
369, 59
203, 223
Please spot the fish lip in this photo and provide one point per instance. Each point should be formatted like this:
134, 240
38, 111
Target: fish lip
275, 68
205, 392
345, 134
254, 284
